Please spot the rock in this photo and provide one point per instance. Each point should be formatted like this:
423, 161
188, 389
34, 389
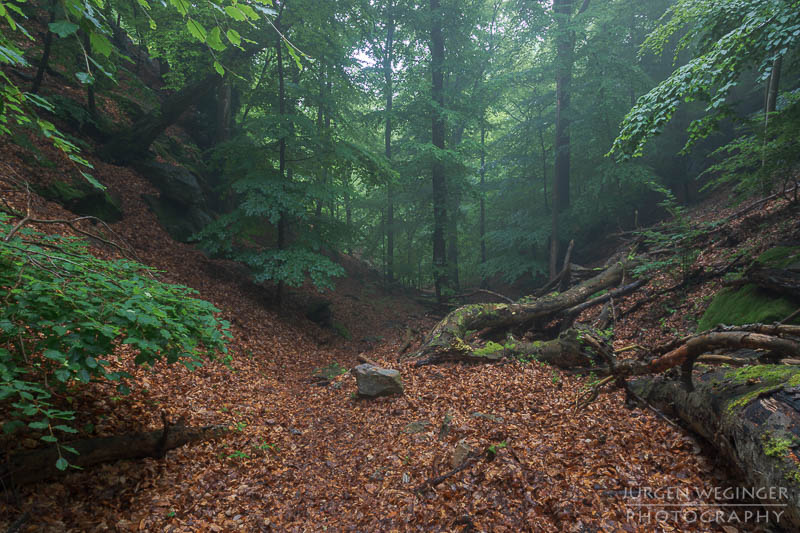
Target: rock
82, 198
417, 426
175, 183
319, 311
493, 418
374, 381
180, 221
460, 453
181, 207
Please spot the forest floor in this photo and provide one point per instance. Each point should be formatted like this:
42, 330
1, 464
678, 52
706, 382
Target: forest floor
304, 457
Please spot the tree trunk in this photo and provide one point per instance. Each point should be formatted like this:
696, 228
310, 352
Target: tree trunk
282, 222
482, 192
387, 138
37, 465
48, 44
437, 168
753, 422
133, 143
446, 341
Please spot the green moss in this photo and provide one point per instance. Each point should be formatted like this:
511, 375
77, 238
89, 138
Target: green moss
778, 446
746, 305
780, 256
489, 349
769, 378
342, 330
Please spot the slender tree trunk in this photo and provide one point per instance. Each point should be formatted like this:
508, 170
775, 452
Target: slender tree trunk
48, 44
90, 96
565, 56
770, 103
482, 223
437, 137
387, 75
224, 96
282, 222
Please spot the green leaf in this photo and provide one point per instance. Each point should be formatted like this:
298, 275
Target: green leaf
100, 44
214, 40
85, 78
295, 56
65, 429
55, 355
63, 28
62, 464
219, 68
48, 438
234, 37
39, 425
181, 6
197, 30
235, 13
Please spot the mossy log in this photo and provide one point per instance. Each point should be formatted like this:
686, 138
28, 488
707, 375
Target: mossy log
752, 416
32, 466
446, 341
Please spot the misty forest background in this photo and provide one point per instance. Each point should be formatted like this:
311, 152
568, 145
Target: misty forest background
460, 143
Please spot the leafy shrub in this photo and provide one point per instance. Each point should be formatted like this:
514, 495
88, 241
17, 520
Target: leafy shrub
65, 311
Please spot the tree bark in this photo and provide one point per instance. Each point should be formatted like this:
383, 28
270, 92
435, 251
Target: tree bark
38, 465
745, 420
438, 177
282, 222
388, 56
48, 45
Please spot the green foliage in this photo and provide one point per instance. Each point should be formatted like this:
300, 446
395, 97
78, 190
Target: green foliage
780, 256
674, 239
733, 37
65, 312
765, 153
264, 197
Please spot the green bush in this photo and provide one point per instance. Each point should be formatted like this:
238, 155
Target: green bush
65, 311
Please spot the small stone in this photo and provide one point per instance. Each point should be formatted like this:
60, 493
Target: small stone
417, 427
373, 381
460, 453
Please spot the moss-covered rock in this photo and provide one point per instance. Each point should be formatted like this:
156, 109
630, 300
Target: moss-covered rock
745, 305
83, 199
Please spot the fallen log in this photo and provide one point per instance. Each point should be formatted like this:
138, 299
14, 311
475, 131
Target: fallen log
32, 466
785, 282
752, 416
446, 341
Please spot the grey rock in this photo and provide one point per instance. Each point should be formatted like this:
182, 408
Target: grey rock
176, 183
417, 426
374, 381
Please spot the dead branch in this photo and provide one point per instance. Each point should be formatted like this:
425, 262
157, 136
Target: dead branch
471, 459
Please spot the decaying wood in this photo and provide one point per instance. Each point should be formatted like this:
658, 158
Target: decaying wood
746, 421
446, 341
785, 282
37, 465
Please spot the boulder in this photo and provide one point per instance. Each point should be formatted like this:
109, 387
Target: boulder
83, 199
181, 207
179, 220
176, 183
374, 381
